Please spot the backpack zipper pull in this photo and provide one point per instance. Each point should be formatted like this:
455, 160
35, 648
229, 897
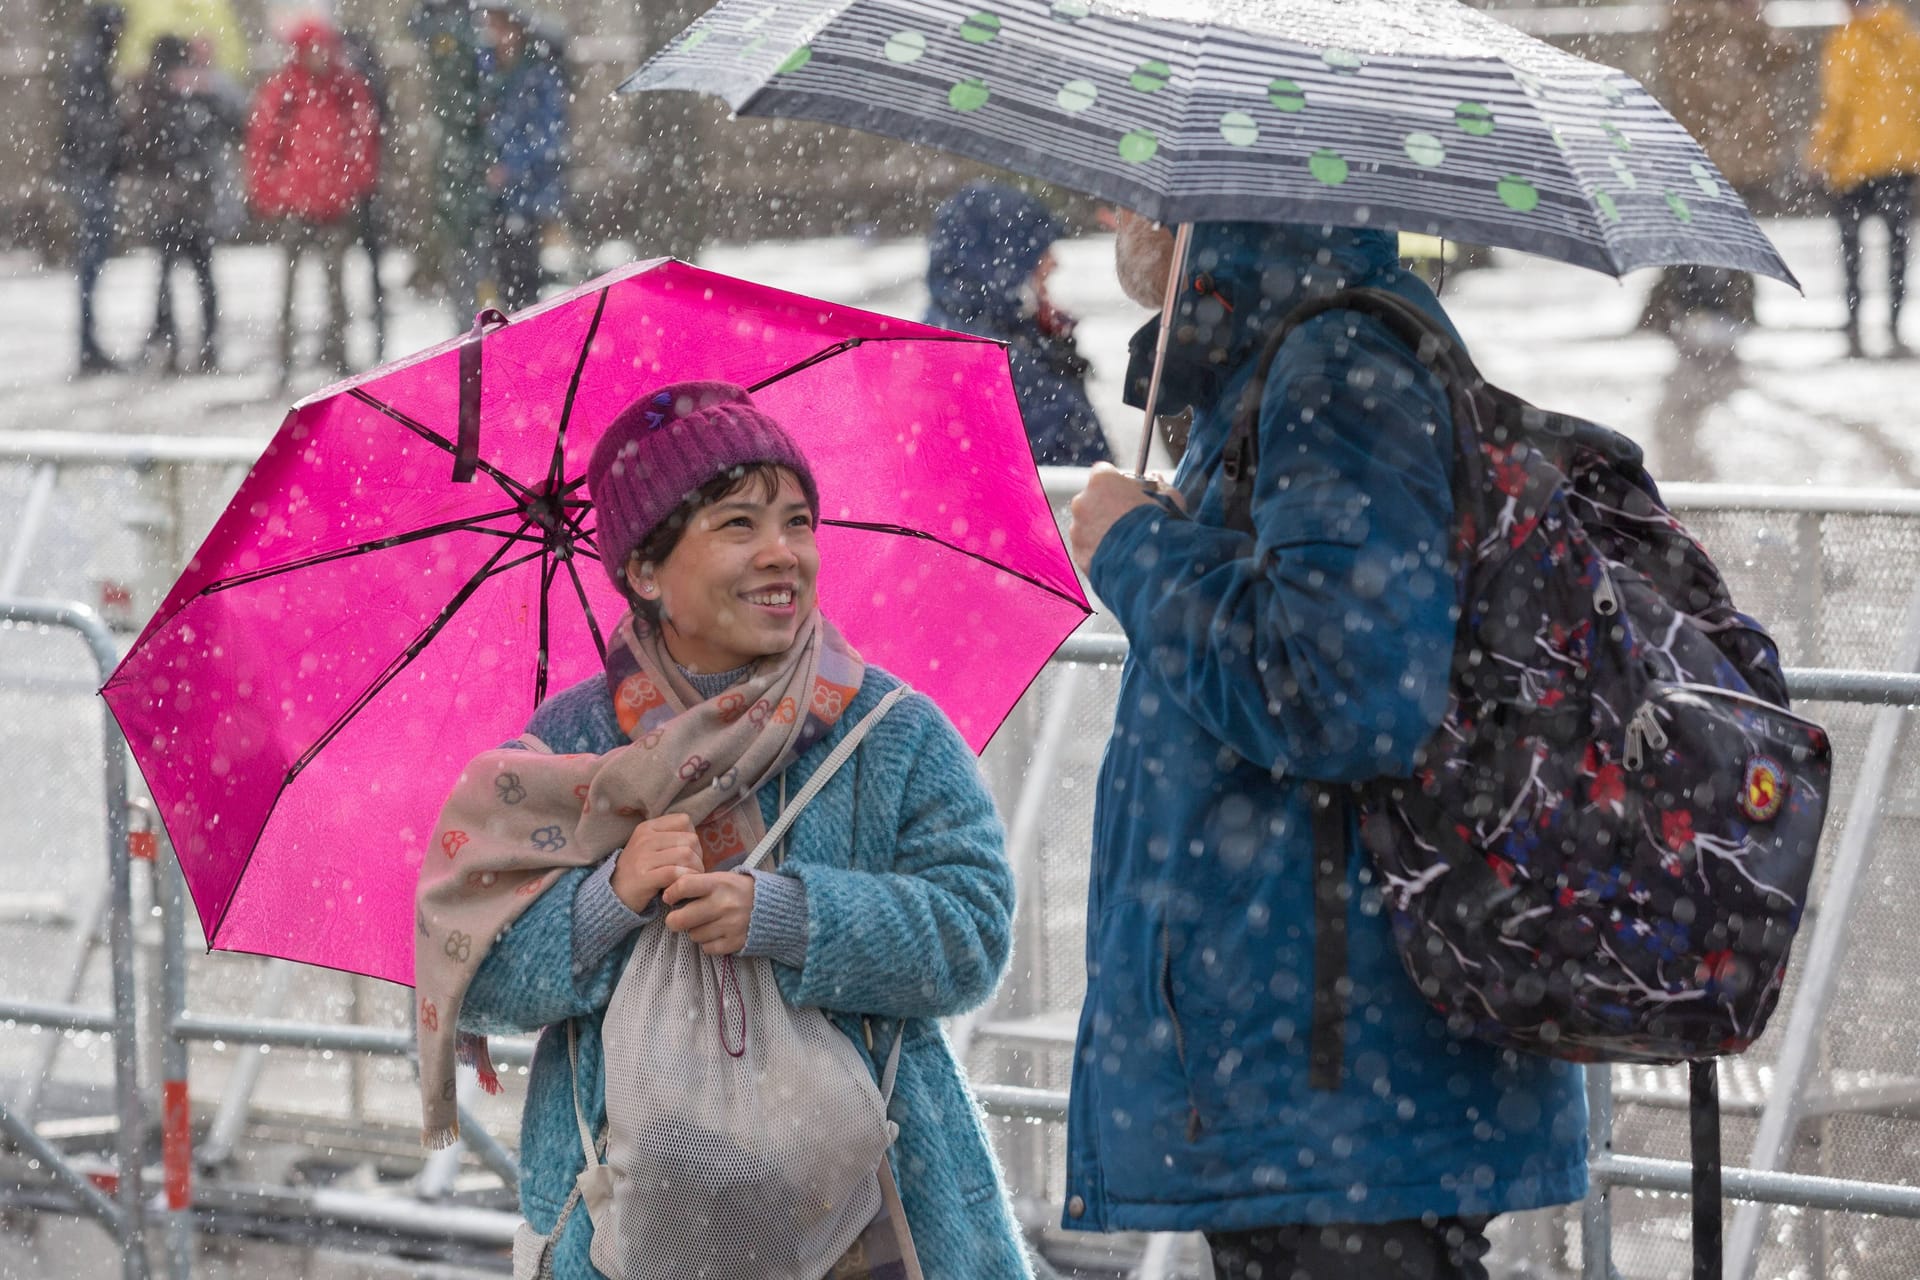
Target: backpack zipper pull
1643, 731
1606, 602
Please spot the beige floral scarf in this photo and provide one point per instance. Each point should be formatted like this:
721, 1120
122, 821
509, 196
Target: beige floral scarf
517, 819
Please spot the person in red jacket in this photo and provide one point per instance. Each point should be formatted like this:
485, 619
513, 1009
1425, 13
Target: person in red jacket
313, 154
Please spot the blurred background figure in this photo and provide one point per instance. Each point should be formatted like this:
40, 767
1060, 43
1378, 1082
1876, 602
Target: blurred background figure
454, 251
313, 155
90, 155
1866, 145
369, 226
1719, 70
526, 103
229, 217
212, 21
988, 260
178, 122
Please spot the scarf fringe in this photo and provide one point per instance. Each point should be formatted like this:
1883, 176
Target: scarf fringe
440, 1139
471, 1051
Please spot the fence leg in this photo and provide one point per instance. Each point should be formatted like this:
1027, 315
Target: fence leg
1820, 962
130, 1140
86, 937
1596, 1212
176, 1132
91, 1198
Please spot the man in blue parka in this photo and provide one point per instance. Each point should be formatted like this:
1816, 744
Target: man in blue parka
988, 260
1316, 649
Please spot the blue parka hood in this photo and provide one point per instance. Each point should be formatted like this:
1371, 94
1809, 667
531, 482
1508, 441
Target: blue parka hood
1242, 280
985, 243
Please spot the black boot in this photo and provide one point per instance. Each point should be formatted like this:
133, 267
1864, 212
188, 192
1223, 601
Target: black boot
95, 361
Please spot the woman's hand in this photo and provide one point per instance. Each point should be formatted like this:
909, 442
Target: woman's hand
660, 852
718, 910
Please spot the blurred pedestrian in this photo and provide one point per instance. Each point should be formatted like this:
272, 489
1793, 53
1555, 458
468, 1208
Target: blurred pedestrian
90, 157
1866, 145
369, 219
176, 128
313, 155
229, 216
527, 133
1718, 70
988, 262
455, 252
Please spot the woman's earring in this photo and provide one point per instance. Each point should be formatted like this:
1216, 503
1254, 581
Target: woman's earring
647, 589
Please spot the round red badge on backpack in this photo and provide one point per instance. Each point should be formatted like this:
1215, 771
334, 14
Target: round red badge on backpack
1765, 789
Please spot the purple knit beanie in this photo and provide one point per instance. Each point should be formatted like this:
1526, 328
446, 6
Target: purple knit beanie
664, 446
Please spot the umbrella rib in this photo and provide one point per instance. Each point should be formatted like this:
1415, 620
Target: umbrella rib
555, 471
548, 566
514, 488
904, 532
492, 568
466, 524
849, 344
593, 623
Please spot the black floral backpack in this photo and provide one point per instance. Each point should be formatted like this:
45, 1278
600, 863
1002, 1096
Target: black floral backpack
1603, 854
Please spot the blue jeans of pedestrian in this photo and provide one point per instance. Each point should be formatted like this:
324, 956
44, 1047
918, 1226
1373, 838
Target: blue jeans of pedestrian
96, 207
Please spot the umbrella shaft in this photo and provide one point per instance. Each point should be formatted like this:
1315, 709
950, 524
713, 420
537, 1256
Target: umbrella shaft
1176, 270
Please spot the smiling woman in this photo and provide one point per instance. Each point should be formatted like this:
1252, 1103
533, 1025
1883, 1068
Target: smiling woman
730, 576
889, 908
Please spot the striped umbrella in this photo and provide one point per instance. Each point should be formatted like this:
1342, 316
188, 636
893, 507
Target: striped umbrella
1417, 115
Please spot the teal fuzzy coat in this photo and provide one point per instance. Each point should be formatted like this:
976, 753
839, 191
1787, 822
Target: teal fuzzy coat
909, 911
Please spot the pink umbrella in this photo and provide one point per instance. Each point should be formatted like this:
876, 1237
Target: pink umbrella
360, 622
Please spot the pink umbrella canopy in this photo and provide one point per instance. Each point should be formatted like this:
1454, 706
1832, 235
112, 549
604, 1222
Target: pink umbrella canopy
358, 624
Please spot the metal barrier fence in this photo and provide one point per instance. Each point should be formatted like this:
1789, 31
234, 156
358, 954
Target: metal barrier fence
1832, 572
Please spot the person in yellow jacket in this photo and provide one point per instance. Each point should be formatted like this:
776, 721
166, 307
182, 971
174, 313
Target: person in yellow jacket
1866, 143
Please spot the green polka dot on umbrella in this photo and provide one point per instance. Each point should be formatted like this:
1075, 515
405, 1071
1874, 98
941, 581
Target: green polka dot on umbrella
1077, 95
1328, 166
1151, 76
980, 28
968, 95
1426, 150
906, 46
1139, 146
1474, 118
1443, 119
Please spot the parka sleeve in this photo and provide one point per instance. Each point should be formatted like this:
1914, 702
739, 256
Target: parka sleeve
1322, 645
931, 937
527, 980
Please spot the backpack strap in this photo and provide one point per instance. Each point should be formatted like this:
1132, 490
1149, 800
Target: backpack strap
823, 775
1331, 806
1327, 1041
1431, 344
1703, 1122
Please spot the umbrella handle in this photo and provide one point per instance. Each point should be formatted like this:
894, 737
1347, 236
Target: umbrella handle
1176, 273
466, 456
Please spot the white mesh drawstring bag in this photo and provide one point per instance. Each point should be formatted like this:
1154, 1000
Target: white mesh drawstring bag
744, 1135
